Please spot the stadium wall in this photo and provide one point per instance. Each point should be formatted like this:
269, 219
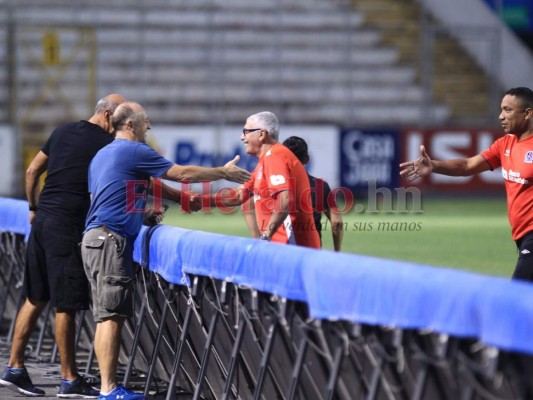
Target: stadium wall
353, 157
349, 157
222, 317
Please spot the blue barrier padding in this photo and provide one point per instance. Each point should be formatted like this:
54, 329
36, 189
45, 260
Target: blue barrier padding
369, 290
14, 216
497, 311
268, 267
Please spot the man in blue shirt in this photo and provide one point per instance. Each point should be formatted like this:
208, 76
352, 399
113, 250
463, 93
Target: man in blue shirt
117, 178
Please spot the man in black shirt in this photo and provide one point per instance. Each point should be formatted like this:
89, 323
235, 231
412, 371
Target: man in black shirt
54, 269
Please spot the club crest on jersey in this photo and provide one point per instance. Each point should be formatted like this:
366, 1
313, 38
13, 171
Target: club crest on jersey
529, 157
276, 180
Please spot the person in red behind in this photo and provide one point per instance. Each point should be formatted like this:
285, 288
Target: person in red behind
279, 186
514, 153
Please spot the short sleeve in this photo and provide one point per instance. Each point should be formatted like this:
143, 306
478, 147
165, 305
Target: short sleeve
249, 186
46, 147
493, 154
277, 173
149, 162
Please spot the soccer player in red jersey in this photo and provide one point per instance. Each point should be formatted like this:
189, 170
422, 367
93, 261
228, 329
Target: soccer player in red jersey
513, 152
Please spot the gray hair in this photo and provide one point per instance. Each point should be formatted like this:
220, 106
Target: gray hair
106, 104
267, 121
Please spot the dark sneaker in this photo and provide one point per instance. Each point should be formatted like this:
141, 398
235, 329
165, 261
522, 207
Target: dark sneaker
20, 382
79, 389
121, 393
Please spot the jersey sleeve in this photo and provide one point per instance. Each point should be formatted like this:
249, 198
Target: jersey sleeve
493, 154
150, 162
46, 147
249, 186
277, 173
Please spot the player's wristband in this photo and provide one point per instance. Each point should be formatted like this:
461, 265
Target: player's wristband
32, 208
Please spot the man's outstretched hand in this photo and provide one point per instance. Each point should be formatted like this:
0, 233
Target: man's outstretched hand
234, 173
422, 166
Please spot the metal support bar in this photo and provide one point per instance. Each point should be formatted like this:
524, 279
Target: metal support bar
209, 342
376, 374
235, 357
272, 331
133, 352
8, 288
90, 360
46, 316
79, 327
334, 374
298, 368
420, 385
14, 320
181, 342
155, 352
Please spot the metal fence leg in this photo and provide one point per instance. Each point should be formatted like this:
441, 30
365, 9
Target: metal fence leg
302, 350
180, 345
5, 293
332, 381
376, 374
42, 333
272, 331
235, 356
420, 385
134, 345
12, 326
209, 342
79, 326
157, 344
90, 360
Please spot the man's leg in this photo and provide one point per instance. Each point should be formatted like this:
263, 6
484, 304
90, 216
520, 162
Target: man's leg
65, 337
15, 376
107, 347
524, 265
24, 325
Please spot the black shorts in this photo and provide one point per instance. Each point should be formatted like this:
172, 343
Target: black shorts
524, 265
54, 268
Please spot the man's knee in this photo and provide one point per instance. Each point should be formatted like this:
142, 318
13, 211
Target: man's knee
36, 304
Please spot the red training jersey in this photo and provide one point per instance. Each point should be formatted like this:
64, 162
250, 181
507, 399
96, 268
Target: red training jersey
516, 159
279, 170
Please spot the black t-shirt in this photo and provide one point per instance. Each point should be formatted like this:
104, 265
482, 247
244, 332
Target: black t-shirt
70, 149
320, 192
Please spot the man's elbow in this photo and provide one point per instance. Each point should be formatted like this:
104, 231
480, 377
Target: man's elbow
32, 174
336, 221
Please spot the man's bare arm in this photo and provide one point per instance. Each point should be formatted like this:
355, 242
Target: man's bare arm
36, 168
279, 214
424, 166
194, 173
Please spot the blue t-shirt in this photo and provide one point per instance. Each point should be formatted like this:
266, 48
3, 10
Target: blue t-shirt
119, 175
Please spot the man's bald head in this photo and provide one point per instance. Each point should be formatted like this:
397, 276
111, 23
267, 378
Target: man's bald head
131, 116
109, 103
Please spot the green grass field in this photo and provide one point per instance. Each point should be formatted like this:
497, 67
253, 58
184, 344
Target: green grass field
470, 234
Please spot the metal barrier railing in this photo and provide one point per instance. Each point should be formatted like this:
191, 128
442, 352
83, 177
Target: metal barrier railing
214, 339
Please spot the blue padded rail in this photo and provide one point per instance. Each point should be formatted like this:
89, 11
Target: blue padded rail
14, 216
369, 290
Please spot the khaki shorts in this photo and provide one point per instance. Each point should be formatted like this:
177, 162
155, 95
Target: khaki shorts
108, 263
